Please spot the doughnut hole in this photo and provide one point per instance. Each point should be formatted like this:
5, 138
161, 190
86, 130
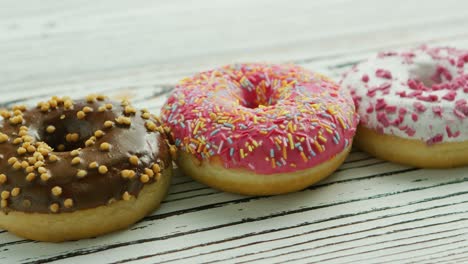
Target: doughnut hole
68, 134
430, 75
259, 93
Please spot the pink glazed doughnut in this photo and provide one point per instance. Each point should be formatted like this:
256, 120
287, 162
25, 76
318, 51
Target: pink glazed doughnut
413, 106
259, 129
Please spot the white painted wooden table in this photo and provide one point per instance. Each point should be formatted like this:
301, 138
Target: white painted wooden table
369, 211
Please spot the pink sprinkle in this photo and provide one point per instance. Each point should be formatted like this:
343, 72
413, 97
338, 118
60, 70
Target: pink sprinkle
440, 73
414, 117
398, 121
436, 139
408, 56
402, 94
415, 85
370, 109
402, 111
452, 61
381, 73
357, 100
410, 132
428, 98
365, 78
450, 134
437, 110
461, 108
419, 107
449, 131
380, 104
390, 109
387, 54
371, 92
450, 96
465, 57
459, 114
385, 86
461, 103
383, 119
415, 93
462, 60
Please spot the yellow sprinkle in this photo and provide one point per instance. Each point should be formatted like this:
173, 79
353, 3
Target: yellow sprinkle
144, 178
242, 153
291, 141
50, 129
15, 191
45, 176
3, 178
322, 138
278, 141
81, 173
319, 147
341, 122
5, 195
54, 207
303, 156
75, 161
12, 160
126, 196
93, 165
255, 143
21, 150
105, 146
81, 115
290, 127
68, 203
134, 160
56, 191
326, 126
196, 128
102, 169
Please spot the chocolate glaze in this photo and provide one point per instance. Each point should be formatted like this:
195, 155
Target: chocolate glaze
94, 189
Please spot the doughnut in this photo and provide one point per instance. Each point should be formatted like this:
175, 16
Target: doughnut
77, 169
413, 106
259, 129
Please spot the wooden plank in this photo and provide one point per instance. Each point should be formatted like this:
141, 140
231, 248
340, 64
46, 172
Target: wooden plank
315, 204
85, 43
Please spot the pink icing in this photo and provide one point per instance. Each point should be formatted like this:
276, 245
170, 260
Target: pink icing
265, 118
383, 74
365, 78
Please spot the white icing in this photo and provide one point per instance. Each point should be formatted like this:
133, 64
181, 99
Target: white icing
421, 67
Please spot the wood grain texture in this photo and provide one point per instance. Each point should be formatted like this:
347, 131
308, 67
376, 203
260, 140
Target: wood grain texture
368, 211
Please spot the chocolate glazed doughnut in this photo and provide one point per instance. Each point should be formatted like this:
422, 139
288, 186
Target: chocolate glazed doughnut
72, 170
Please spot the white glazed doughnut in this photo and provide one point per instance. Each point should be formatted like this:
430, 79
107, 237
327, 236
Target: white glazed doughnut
413, 106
